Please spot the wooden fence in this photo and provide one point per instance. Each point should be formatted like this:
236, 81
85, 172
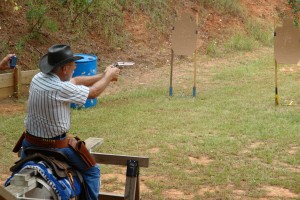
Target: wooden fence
15, 83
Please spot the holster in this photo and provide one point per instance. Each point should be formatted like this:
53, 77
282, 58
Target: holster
79, 146
18, 145
75, 143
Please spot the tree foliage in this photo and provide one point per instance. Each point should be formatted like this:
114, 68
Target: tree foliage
295, 6
14, 3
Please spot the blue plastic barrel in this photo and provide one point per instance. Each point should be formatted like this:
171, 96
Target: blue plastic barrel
85, 67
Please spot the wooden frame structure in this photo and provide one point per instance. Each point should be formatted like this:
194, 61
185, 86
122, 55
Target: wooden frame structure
132, 185
14, 84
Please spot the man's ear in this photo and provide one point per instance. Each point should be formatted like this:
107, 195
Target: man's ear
64, 69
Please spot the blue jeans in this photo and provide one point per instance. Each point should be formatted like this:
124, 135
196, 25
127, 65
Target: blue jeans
90, 176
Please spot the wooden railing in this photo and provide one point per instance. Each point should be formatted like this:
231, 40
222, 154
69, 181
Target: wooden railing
16, 83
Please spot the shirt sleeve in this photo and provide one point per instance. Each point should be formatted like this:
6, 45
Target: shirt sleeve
72, 93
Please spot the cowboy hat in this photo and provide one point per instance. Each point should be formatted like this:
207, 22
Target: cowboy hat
58, 55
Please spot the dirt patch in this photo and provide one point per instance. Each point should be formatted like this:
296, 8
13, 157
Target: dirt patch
143, 187
3, 178
154, 150
117, 181
266, 10
116, 177
204, 160
290, 69
176, 194
273, 191
207, 189
292, 168
255, 145
252, 146
10, 107
293, 150
239, 192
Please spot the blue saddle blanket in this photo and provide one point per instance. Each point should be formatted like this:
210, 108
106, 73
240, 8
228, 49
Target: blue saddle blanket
61, 186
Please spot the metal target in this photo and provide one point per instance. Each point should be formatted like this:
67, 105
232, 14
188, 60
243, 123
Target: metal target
184, 36
287, 43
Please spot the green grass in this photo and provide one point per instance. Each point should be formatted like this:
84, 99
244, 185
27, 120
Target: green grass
261, 32
234, 123
240, 42
256, 35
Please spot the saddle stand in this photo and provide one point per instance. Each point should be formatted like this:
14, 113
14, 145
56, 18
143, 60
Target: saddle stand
25, 183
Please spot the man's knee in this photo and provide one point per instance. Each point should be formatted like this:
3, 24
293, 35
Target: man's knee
93, 171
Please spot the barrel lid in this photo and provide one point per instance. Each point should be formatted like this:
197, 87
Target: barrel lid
86, 58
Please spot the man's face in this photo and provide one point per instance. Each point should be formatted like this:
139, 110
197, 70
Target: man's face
70, 67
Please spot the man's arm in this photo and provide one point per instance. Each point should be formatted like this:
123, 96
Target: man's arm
4, 63
86, 80
98, 83
110, 74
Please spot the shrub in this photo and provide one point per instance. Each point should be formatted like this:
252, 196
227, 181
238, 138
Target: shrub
212, 48
260, 32
240, 42
37, 19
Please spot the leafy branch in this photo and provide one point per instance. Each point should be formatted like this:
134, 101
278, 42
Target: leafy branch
295, 6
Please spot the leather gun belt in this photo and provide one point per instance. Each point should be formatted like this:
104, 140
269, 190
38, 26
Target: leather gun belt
41, 142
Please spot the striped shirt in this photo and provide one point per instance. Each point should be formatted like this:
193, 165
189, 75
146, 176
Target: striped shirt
48, 109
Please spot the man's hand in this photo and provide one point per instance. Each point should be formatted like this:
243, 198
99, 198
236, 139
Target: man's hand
4, 64
112, 72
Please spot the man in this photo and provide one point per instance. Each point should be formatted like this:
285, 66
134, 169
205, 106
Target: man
48, 110
4, 64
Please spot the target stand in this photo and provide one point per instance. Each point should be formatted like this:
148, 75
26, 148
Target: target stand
184, 42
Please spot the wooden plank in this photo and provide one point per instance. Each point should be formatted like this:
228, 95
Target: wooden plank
17, 82
92, 142
6, 80
113, 159
130, 188
6, 92
7, 86
28, 75
110, 196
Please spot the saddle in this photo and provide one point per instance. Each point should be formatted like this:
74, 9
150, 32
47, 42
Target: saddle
55, 160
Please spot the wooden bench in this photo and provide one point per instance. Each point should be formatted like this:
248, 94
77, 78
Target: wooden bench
24, 182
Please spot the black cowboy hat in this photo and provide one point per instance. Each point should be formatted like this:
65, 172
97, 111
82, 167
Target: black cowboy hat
58, 55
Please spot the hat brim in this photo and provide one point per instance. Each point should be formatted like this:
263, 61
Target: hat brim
45, 67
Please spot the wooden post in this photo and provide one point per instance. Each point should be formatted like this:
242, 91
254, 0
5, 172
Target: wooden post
17, 82
131, 188
195, 59
276, 72
276, 84
195, 65
171, 74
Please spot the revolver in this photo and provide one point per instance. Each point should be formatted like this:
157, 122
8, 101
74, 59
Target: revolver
122, 64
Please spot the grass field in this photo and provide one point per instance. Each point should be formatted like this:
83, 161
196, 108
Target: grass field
230, 142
